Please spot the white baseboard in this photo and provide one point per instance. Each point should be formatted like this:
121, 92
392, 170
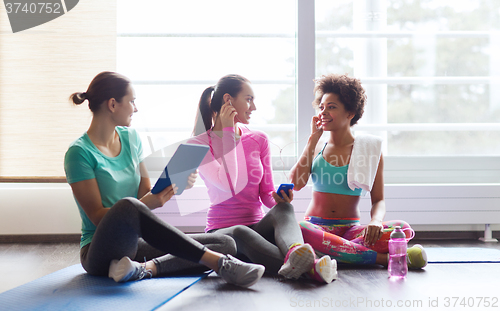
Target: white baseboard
38, 208
27, 208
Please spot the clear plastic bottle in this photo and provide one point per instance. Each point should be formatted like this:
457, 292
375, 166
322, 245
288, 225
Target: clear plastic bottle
398, 268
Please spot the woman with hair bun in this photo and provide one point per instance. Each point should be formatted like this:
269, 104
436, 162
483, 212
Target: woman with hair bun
107, 175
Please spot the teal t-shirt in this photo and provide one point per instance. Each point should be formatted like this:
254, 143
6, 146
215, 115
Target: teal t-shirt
117, 177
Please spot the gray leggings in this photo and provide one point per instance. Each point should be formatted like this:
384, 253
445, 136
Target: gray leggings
130, 229
268, 241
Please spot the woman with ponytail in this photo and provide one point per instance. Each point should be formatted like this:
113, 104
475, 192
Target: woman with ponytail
109, 180
237, 172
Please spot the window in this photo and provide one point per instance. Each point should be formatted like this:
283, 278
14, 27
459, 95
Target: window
39, 69
431, 69
174, 52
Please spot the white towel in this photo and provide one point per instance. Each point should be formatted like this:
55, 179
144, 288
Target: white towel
364, 162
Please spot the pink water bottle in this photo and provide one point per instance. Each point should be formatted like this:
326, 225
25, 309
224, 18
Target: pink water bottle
398, 268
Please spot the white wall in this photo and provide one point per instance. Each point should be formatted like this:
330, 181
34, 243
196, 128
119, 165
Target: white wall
50, 208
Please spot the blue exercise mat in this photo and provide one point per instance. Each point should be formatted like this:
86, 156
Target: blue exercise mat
73, 289
462, 254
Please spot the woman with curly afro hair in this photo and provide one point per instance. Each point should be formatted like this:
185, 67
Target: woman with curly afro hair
342, 170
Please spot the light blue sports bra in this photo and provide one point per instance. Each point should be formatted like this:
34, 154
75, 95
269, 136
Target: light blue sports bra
330, 179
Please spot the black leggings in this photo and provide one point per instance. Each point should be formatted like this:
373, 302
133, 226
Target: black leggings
130, 229
268, 241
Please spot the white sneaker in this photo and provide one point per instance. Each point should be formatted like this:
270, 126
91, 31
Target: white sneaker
299, 260
325, 270
127, 270
239, 273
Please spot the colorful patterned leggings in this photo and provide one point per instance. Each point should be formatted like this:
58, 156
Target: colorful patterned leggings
343, 239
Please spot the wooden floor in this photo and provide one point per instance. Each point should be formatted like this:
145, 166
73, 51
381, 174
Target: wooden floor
22, 263
437, 287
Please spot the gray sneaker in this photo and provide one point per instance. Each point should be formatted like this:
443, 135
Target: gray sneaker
239, 273
127, 270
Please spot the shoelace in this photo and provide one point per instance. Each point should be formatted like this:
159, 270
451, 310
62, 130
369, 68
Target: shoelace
143, 272
227, 264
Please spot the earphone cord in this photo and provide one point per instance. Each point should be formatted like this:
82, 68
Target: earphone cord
279, 148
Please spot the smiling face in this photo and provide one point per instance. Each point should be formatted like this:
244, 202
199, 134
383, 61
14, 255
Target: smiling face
243, 103
332, 113
126, 108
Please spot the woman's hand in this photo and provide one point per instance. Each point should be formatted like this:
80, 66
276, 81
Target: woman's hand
286, 198
192, 180
158, 200
227, 114
373, 232
316, 128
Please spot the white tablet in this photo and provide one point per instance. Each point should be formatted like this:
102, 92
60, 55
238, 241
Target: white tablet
185, 161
